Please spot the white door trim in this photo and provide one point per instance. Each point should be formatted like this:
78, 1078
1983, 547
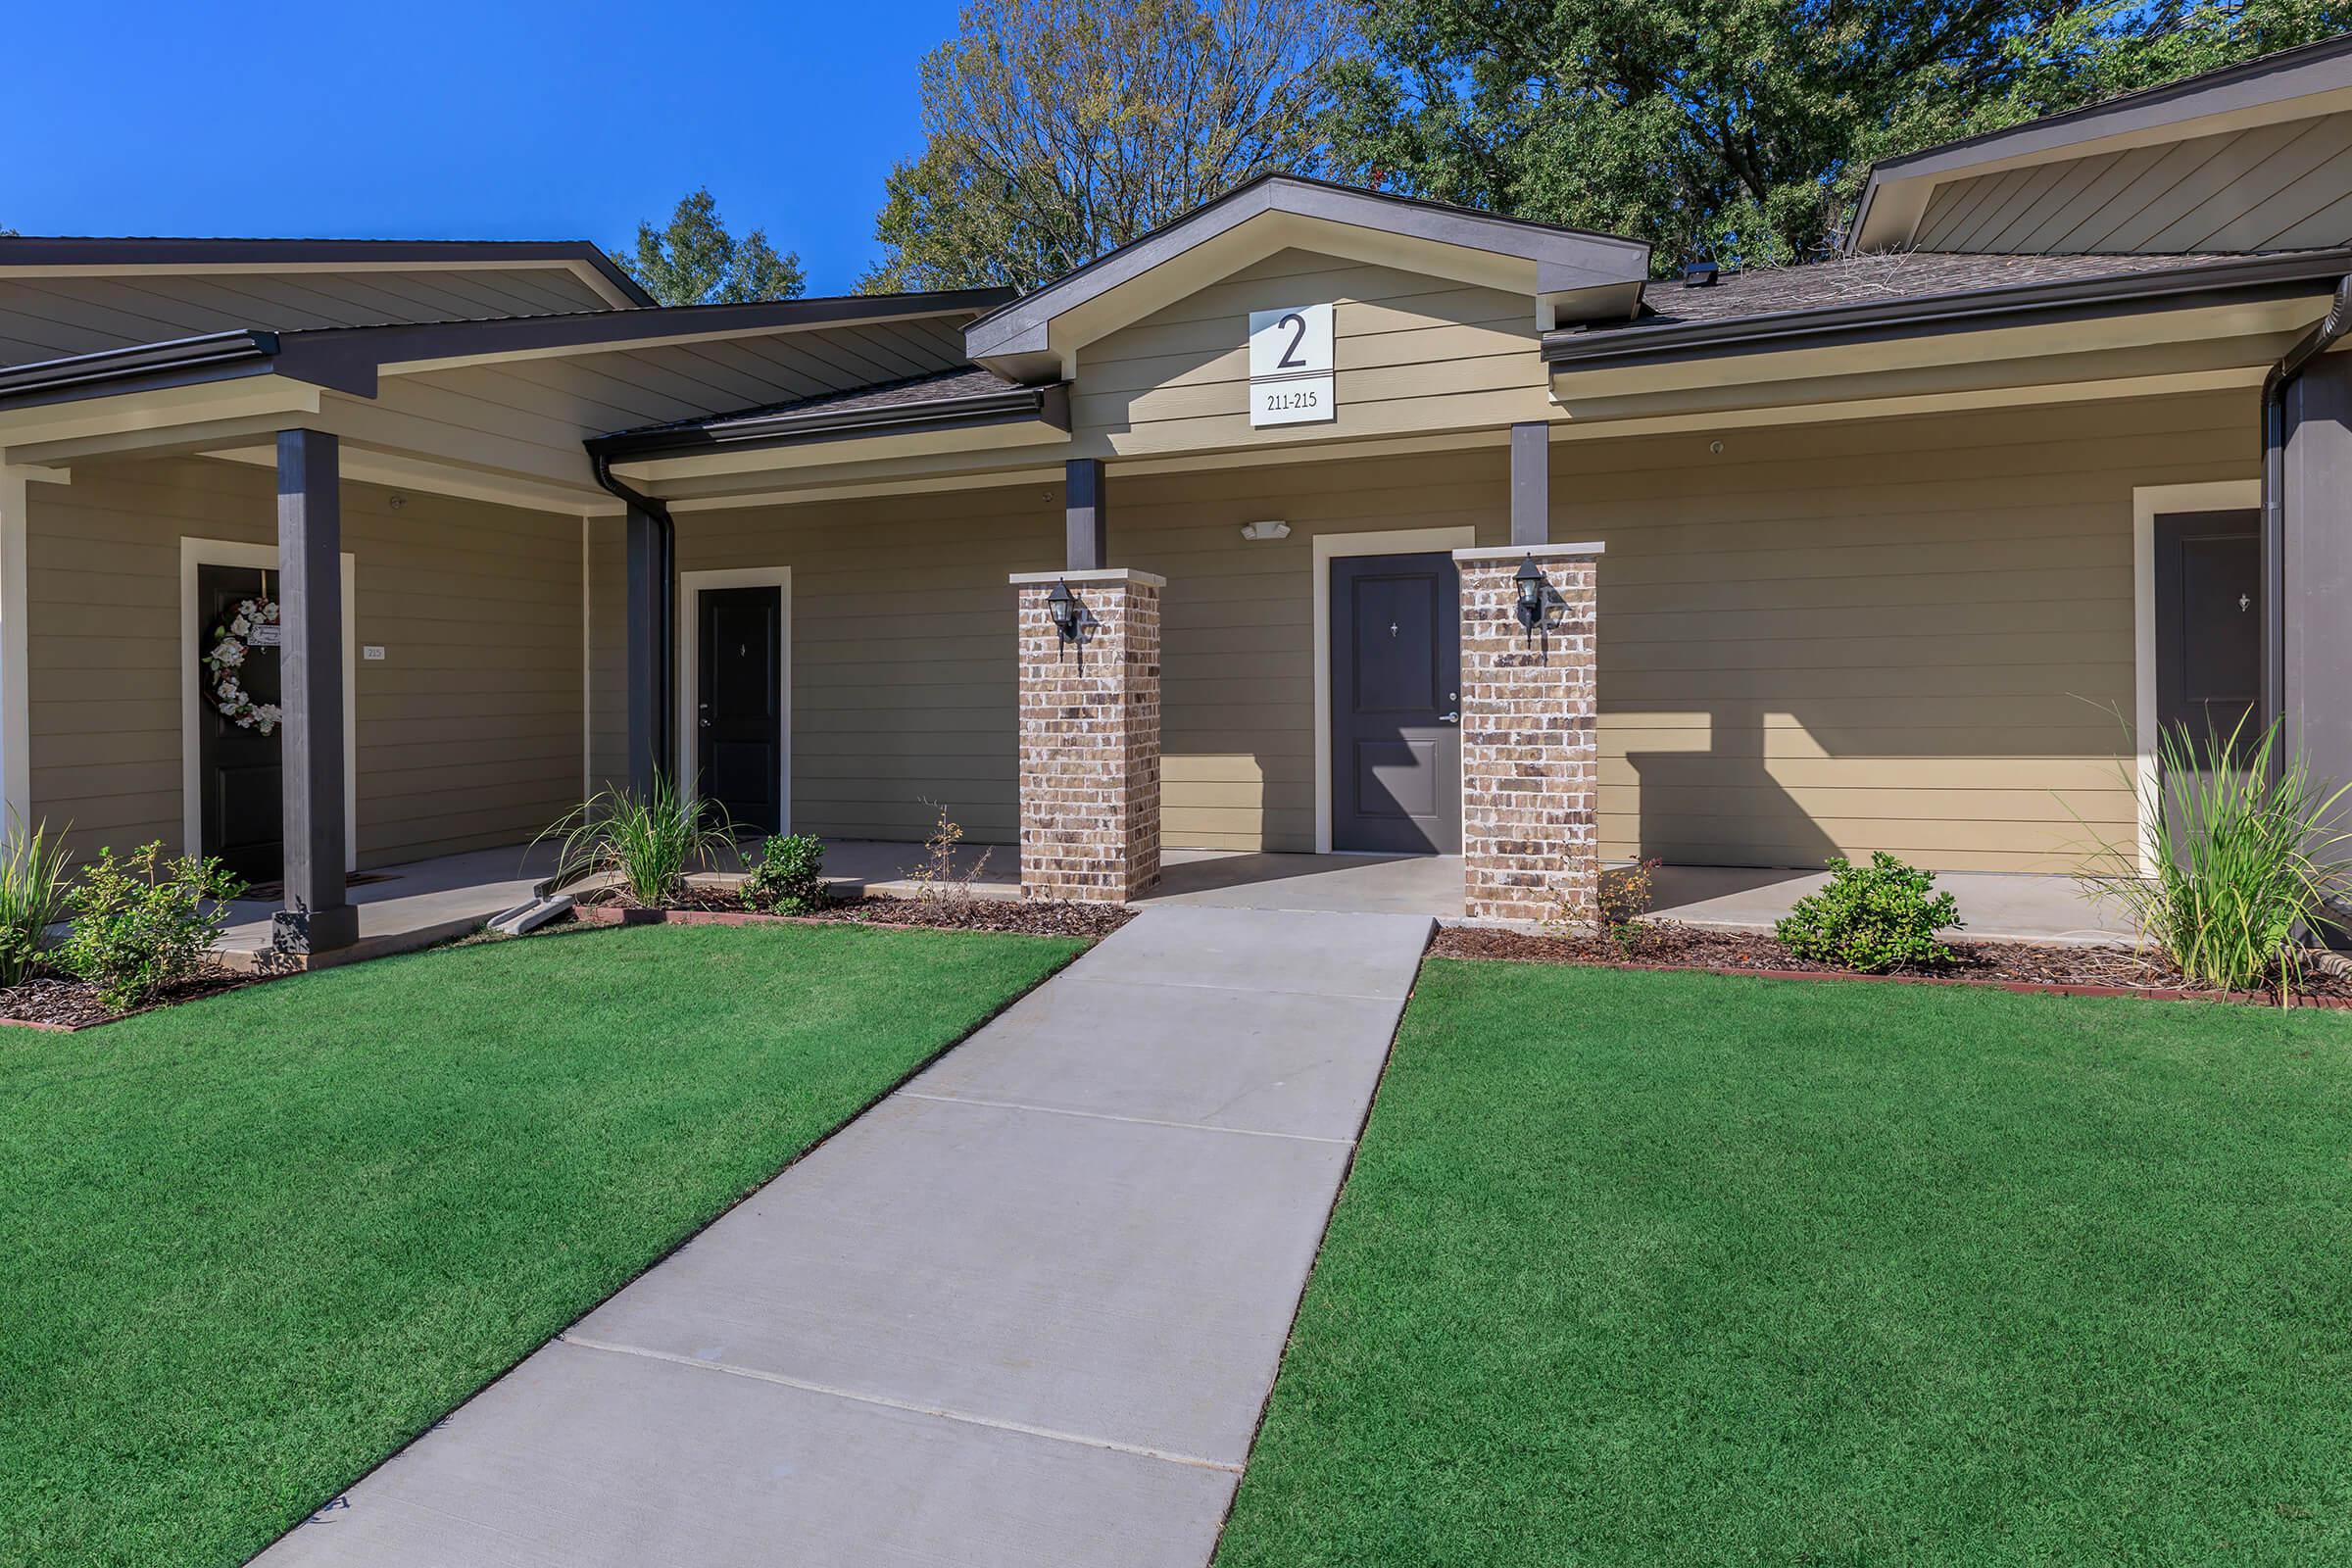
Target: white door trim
194, 553
2148, 502
690, 588
1328, 547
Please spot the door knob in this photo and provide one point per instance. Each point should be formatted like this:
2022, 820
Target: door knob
1455, 717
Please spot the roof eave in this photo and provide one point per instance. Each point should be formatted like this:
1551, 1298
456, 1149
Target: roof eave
1047, 405
143, 366
1970, 310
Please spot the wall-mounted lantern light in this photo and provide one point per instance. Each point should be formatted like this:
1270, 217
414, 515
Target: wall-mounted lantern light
1071, 618
1531, 589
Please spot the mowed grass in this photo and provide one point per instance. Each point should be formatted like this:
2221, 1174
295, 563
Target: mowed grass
251, 1246
1676, 1269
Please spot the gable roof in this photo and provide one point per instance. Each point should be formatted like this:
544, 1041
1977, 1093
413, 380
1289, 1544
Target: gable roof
1918, 293
2290, 84
1571, 271
90, 255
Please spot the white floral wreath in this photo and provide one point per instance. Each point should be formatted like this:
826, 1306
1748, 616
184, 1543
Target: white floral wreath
230, 645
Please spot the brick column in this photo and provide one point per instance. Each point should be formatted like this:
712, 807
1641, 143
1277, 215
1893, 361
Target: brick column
1090, 738
1530, 847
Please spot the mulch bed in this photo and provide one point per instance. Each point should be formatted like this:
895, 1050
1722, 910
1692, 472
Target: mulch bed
720, 904
62, 1002
2062, 969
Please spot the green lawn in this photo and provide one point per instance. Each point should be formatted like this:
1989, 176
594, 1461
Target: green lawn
1675, 1269
249, 1246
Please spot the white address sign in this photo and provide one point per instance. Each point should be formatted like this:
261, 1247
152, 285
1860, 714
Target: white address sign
1290, 366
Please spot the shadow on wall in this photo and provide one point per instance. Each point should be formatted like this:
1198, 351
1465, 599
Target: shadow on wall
1722, 806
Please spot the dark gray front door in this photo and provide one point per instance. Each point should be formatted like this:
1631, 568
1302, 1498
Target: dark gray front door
740, 707
1395, 705
2209, 622
243, 818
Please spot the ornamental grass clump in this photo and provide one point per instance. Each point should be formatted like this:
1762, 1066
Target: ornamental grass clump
2258, 860
643, 843
143, 924
32, 897
1872, 918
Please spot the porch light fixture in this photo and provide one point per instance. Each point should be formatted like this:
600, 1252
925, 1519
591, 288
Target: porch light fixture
1532, 588
1071, 618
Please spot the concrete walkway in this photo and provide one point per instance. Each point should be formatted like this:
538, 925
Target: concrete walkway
1024, 1312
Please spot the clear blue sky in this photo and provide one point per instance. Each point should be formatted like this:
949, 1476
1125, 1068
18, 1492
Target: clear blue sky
431, 121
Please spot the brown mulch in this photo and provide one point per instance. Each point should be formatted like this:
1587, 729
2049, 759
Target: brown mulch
951, 911
1667, 943
60, 1002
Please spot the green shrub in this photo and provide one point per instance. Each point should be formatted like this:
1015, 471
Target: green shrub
32, 897
142, 923
790, 876
2256, 859
643, 843
1872, 918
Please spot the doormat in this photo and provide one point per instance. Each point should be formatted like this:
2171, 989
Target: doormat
355, 879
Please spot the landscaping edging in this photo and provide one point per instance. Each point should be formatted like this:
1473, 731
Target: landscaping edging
2015, 987
864, 913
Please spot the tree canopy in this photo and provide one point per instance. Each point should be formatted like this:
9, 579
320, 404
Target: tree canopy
1058, 130
695, 261
1739, 130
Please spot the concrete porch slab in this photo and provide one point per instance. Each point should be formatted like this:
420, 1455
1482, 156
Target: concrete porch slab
407, 907
1107, 1280
584, 1457
2010, 905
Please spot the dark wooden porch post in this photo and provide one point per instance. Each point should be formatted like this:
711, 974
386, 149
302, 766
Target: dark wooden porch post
1531, 484
1083, 516
652, 592
317, 916
2313, 579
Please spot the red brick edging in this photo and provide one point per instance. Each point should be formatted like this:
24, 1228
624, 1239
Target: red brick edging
2023, 987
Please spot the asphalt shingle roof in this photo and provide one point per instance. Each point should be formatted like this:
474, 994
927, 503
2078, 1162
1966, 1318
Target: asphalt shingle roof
1887, 275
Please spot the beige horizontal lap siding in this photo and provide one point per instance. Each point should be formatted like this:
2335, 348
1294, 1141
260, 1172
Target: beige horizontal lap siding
903, 672
468, 730
1237, 632
1412, 354
607, 654
50, 317
2283, 186
1909, 635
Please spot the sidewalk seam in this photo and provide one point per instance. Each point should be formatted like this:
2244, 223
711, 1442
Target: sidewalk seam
966, 1417
1132, 1121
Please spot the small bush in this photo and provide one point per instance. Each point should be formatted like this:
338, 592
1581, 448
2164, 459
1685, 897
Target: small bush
644, 843
790, 876
143, 923
32, 897
939, 879
2256, 859
1872, 918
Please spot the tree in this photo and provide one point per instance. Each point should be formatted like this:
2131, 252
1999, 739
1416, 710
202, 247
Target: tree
1742, 129
1058, 130
695, 261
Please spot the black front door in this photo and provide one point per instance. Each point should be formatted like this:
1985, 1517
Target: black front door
740, 706
2209, 623
1395, 705
243, 814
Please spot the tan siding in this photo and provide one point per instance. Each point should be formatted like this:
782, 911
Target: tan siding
902, 676
468, 730
1413, 352
607, 654
49, 317
1913, 635
2274, 187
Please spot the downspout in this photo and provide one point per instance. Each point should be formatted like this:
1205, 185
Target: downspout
2283, 375
665, 642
